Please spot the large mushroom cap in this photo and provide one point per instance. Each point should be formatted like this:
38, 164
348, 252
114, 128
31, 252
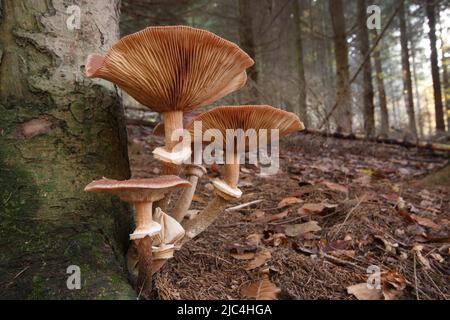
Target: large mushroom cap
245, 118
173, 68
138, 190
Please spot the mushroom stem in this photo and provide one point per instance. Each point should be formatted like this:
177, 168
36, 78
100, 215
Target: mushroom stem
144, 282
193, 173
143, 215
172, 121
231, 171
145, 226
205, 218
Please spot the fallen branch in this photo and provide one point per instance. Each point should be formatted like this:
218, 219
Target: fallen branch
244, 205
441, 147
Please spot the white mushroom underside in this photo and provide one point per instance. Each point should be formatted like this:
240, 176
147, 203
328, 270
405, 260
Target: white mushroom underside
176, 158
225, 188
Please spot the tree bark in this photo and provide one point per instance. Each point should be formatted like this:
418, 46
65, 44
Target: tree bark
446, 81
247, 43
407, 82
59, 131
384, 115
438, 106
343, 94
301, 109
369, 109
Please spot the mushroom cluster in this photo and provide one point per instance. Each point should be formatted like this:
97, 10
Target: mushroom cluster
174, 71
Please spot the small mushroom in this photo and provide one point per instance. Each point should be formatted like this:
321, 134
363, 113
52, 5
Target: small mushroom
173, 70
142, 193
162, 249
235, 117
171, 235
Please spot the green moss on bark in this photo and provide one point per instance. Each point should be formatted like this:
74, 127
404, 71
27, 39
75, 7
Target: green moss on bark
47, 222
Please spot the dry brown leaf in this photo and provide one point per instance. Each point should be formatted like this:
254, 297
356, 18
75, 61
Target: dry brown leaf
243, 256
425, 222
261, 290
424, 261
362, 292
254, 239
335, 186
276, 239
275, 217
260, 259
197, 198
300, 229
393, 284
437, 257
256, 216
289, 201
315, 208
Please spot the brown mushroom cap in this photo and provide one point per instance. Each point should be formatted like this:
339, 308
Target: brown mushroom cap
245, 118
138, 190
173, 68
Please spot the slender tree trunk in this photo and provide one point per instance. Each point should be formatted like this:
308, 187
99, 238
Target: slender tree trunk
343, 94
384, 115
301, 110
407, 83
59, 132
369, 109
438, 106
446, 81
247, 43
416, 89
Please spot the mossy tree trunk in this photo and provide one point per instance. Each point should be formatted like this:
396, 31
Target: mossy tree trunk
59, 131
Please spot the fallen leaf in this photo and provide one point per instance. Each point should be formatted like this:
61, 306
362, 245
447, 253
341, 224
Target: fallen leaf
260, 259
389, 246
197, 198
424, 261
256, 216
275, 217
300, 229
243, 256
363, 292
425, 222
276, 240
315, 208
437, 257
338, 245
286, 202
261, 290
254, 239
393, 284
335, 186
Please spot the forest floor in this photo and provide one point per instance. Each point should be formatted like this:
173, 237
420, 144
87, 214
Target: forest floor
336, 208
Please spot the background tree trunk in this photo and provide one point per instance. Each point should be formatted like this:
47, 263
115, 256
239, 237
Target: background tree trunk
407, 82
343, 94
438, 106
384, 115
59, 131
247, 43
301, 109
369, 109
